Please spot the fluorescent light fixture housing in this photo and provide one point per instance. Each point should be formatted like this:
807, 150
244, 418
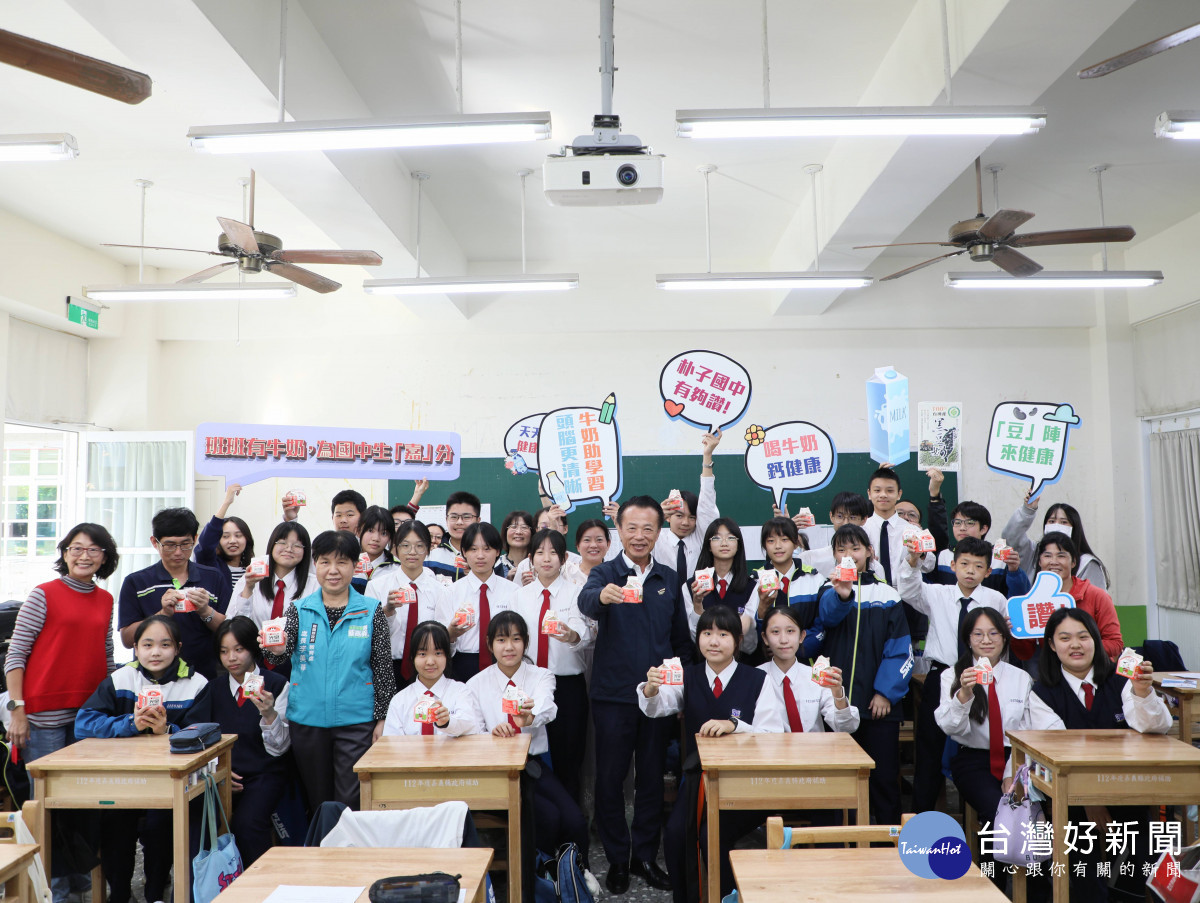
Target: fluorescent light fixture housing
364, 134
61, 146
432, 285
175, 291
1182, 124
822, 122
682, 282
1047, 279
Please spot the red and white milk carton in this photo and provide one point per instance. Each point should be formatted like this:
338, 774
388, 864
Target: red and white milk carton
819, 666
672, 672
464, 617
405, 595
362, 567
149, 697
274, 632
460, 563
423, 710
1127, 664
807, 514
553, 624
257, 567
983, 672
675, 500
252, 684
294, 499
846, 571
183, 603
516, 701
704, 580
768, 580
920, 541
633, 590
1000, 553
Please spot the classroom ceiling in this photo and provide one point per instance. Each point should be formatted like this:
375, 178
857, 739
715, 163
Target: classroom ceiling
216, 61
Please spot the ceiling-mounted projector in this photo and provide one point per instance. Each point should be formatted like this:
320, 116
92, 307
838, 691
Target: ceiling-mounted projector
604, 169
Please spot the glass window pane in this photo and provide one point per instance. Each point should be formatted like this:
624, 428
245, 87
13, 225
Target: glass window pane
47, 493
16, 547
18, 470
19, 529
47, 528
18, 492
47, 511
46, 547
47, 468
18, 454
21, 512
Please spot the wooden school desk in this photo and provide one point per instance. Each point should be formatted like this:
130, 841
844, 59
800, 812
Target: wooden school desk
777, 772
1103, 768
481, 770
130, 773
15, 860
848, 876
1186, 713
354, 867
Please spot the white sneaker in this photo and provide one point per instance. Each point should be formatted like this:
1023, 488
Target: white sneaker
592, 884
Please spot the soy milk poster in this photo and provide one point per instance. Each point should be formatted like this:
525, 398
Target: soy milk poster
1028, 440
796, 456
579, 454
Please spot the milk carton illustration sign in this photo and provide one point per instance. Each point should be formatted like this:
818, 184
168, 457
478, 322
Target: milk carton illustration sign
887, 416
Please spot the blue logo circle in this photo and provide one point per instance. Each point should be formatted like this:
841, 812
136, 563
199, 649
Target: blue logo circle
932, 845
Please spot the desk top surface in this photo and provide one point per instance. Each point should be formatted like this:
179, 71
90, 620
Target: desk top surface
875, 874
479, 752
782, 752
121, 754
1158, 676
352, 867
1110, 748
13, 854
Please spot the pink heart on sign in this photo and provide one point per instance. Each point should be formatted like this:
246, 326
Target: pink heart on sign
673, 408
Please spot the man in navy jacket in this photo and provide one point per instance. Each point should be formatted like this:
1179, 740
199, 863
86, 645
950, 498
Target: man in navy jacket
632, 638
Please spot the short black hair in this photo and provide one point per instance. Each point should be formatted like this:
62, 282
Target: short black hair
969, 545
338, 543
1050, 668
244, 630
885, 473
779, 526
851, 533
690, 499
505, 623
640, 501
721, 617
973, 511
402, 509
170, 623
556, 540
377, 518
851, 504
464, 498
588, 525
412, 526
484, 530
430, 630
174, 522
1063, 541
100, 537
349, 497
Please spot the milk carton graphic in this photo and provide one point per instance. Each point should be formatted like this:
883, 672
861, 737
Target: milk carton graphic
887, 415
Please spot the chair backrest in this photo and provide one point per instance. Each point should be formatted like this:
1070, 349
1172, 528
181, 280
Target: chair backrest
833, 834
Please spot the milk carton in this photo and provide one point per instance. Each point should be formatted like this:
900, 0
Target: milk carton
672, 672
704, 580
516, 701
252, 684
846, 570
1127, 664
983, 672
275, 632
819, 666
633, 590
887, 416
423, 710
149, 697
257, 567
464, 617
552, 624
768, 580
294, 499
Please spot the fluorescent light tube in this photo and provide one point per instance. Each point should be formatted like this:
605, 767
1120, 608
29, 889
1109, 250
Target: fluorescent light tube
433, 285
174, 291
817, 122
362, 134
1184, 124
1048, 279
750, 281
15, 148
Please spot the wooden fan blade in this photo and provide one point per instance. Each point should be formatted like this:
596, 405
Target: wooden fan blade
1003, 223
209, 273
921, 266
240, 234
358, 258
307, 278
1071, 237
1129, 57
113, 244
63, 65
1014, 262
909, 244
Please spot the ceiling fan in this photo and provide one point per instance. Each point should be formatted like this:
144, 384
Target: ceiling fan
85, 72
254, 251
994, 238
1129, 57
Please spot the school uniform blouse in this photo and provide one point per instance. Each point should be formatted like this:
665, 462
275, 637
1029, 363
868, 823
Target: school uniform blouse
488, 688
769, 717
940, 602
1147, 715
430, 595
745, 603
666, 547
562, 658
464, 592
258, 607
953, 715
815, 703
570, 570
464, 713
276, 738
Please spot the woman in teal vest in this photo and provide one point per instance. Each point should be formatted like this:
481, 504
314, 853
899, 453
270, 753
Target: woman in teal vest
339, 646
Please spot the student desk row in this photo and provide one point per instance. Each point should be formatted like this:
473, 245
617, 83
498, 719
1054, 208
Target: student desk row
15, 861
1185, 711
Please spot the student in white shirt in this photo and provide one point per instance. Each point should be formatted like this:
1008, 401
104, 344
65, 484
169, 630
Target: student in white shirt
411, 545
846, 508
550, 517
462, 512
289, 557
375, 531
811, 704
482, 594
682, 537
561, 653
557, 818
454, 711
799, 586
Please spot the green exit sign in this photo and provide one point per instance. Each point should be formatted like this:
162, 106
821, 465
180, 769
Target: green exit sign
84, 317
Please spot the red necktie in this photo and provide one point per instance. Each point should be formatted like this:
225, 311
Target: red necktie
485, 616
789, 702
516, 727
241, 698
406, 663
1088, 696
722, 585
426, 726
996, 733
716, 688
277, 605
543, 653
784, 584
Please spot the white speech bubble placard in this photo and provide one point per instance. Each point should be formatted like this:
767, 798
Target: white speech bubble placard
704, 388
795, 456
579, 455
1028, 439
521, 444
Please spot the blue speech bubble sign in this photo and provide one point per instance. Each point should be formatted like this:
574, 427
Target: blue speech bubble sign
1028, 439
704, 388
1030, 612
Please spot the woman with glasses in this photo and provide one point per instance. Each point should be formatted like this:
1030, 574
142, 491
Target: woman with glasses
515, 534
724, 550
61, 649
289, 552
409, 594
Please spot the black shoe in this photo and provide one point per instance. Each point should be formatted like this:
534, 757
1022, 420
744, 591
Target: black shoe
654, 876
617, 880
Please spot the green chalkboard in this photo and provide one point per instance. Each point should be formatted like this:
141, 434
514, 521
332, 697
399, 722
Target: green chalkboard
657, 475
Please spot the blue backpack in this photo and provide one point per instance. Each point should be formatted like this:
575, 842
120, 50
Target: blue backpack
561, 878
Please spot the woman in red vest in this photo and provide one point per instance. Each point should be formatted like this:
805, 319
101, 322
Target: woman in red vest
61, 649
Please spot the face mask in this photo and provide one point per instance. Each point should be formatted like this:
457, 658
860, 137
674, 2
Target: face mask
1056, 528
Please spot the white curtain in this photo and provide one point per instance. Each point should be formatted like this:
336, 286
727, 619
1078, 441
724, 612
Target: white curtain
47, 375
1161, 350
1175, 491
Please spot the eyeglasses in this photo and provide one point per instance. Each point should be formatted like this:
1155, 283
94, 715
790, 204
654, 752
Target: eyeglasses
965, 524
85, 551
461, 518
724, 540
172, 547
410, 547
284, 545
978, 635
